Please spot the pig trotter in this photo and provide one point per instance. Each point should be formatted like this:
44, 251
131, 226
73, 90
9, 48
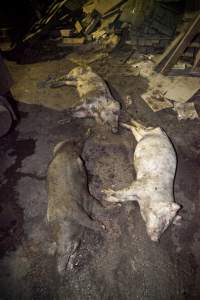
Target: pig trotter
65, 260
177, 220
120, 196
110, 196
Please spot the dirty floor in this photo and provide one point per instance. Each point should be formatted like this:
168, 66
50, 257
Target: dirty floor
122, 263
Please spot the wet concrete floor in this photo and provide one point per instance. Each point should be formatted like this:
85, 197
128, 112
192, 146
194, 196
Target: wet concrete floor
122, 263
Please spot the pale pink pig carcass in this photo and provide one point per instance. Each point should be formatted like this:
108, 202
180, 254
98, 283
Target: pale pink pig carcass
155, 164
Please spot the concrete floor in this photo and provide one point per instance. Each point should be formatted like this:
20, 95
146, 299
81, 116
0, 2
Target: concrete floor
123, 263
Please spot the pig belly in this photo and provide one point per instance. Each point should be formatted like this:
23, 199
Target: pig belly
62, 190
155, 158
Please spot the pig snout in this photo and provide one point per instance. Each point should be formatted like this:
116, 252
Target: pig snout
111, 117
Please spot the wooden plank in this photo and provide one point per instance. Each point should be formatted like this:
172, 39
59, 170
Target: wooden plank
105, 6
182, 45
168, 52
74, 41
196, 61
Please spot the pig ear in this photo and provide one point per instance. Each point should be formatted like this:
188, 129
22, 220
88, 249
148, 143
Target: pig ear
170, 208
175, 207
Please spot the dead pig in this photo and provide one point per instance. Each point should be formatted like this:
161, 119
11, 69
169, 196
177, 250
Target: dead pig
70, 205
155, 166
97, 101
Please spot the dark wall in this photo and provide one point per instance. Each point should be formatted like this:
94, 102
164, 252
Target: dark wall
192, 5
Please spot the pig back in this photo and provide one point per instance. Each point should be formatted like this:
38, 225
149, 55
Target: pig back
155, 156
66, 183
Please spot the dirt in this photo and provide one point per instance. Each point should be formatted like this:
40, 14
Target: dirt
122, 263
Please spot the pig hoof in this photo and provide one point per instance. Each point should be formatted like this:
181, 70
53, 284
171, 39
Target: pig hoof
154, 238
108, 192
110, 195
52, 248
177, 220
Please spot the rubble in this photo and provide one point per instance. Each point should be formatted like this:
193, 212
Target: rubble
164, 89
74, 41
86, 58
156, 100
181, 88
104, 6
90, 20
185, 111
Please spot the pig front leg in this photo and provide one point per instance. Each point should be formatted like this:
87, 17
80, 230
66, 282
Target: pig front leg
85, 220
57, 84
63, 80
126, 194
68, 241
82, 111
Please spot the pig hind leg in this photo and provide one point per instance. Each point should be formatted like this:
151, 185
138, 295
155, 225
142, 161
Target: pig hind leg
69, 238
82, 111
126, 194
84, 220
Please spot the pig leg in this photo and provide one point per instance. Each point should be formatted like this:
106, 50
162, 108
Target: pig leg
177, 220
62, 83
126, 194
96, 209
133, 129
69, 237
80, 111
63, 80
84, 220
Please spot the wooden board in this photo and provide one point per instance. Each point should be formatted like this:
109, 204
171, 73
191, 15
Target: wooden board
172, 55
196, 61
168, 52
104, 6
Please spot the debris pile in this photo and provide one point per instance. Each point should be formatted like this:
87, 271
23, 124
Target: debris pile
164, 92
80, 21
151, 24
187, 38
154, 24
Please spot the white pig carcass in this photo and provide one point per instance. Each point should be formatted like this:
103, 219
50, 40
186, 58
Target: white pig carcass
96, 98
155, 165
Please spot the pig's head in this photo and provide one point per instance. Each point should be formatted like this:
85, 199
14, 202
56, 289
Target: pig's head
78, 71
158, 218
140, 131
110, 115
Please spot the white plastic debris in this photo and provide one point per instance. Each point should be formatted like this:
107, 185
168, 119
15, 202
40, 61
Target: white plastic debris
185, 111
